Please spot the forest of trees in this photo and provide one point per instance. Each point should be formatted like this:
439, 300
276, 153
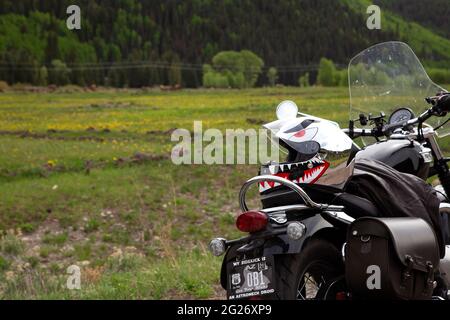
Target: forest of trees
131, 43
434, 14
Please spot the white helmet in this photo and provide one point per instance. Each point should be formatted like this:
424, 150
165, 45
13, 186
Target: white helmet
311, 139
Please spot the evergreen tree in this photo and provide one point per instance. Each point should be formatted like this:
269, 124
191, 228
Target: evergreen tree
272, 76
303, 81
59, 73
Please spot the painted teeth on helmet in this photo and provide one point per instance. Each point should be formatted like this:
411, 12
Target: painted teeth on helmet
282, 167
273, 169
263, 187
289, 166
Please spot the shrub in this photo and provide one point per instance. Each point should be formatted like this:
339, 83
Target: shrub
19, 86
252, 67
56, 239
341, 78
92, 225
214, 79
272, 76
233, 69
4, 264
3, 86
303, 81
220, 81
27, 227
42, 77
327, 71
125, 263
235, 80
10, 244
174, 75
59, 73
83, 251
69, 88
439, 75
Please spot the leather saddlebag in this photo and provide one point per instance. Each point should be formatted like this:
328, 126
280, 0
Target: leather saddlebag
391, 258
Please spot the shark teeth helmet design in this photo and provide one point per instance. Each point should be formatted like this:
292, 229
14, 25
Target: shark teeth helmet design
306, 172
309, 140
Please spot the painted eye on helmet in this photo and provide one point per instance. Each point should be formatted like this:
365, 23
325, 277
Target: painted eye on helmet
300, 133
304, 135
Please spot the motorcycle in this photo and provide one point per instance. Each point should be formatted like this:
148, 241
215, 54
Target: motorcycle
313, 239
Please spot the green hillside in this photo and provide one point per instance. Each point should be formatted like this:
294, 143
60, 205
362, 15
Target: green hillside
433, 14
433, 48
142, 43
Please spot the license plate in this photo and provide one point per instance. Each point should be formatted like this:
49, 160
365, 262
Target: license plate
250, 277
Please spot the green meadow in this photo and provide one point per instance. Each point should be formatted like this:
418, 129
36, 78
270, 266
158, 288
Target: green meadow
86, 179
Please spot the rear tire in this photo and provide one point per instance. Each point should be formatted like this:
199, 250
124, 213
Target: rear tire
320, 261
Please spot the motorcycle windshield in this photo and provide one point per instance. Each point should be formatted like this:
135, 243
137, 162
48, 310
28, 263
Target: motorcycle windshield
388, 76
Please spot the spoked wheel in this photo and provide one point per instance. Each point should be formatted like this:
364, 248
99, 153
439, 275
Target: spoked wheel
309, 287
314, 274
315, 282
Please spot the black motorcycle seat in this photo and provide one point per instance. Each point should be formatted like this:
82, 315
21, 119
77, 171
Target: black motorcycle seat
355, 206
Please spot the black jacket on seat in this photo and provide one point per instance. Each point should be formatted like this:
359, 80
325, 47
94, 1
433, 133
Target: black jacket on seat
396, 194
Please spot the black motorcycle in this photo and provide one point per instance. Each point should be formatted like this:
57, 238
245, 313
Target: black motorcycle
340, 221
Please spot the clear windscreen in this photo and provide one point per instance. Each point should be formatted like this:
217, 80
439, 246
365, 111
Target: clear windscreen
388, 76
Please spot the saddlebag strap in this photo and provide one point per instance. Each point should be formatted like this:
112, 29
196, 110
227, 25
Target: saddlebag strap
407, 273
430, 277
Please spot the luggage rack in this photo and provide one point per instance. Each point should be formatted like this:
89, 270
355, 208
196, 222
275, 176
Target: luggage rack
309, 203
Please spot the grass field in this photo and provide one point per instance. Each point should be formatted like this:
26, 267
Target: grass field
86, 179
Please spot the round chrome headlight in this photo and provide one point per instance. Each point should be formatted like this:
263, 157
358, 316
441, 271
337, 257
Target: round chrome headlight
296, 230
217, 246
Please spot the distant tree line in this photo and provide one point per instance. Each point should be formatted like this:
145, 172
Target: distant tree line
131, 43
143, 43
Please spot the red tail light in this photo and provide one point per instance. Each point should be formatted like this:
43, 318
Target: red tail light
251, 221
